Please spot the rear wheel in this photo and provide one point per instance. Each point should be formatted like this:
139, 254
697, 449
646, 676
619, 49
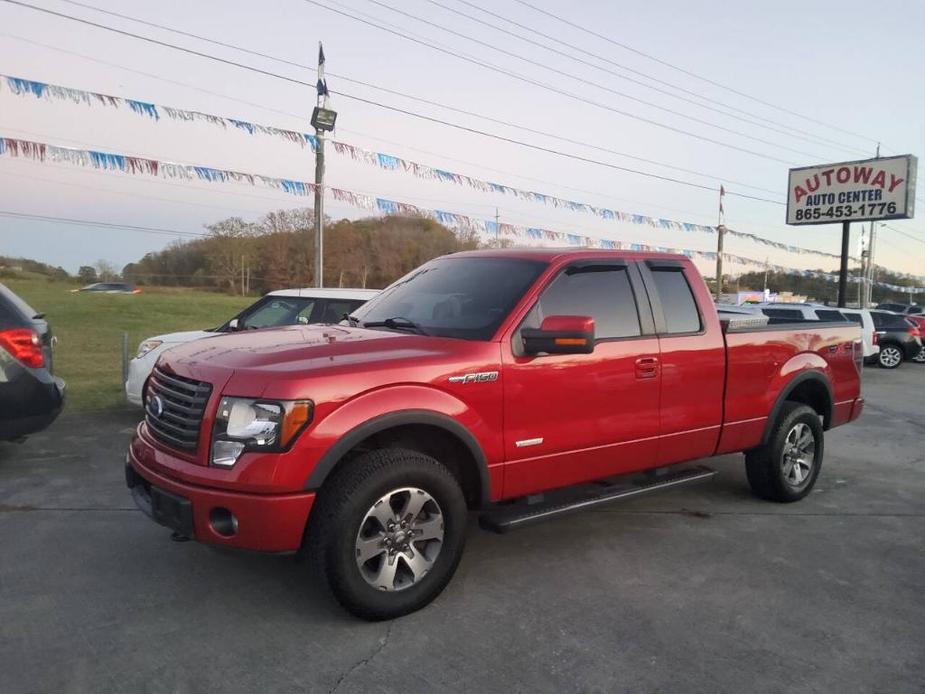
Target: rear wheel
891, 356
786, 468
920, 357
388, 532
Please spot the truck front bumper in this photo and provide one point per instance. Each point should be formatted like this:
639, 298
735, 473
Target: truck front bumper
261, 522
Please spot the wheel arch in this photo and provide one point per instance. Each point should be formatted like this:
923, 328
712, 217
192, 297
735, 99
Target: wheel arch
426, 431
809, 388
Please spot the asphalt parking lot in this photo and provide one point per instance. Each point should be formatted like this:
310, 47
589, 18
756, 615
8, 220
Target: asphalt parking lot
699, 589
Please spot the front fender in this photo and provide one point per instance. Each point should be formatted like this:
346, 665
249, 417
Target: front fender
394, 406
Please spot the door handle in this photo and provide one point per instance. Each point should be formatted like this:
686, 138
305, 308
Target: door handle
647, 367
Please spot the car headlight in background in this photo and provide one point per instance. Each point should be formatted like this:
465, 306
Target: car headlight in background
244, 424
147, 346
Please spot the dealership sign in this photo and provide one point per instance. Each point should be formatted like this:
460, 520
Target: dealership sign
852, 191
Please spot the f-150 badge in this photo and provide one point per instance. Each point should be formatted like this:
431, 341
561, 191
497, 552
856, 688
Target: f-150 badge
481, 377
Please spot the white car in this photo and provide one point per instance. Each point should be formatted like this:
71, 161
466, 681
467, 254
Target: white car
862, 317
284, 307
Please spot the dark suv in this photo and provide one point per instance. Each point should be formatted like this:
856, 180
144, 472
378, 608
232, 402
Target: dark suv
30, 395
898, 338
908, 309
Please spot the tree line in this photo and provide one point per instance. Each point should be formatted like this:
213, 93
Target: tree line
278, 251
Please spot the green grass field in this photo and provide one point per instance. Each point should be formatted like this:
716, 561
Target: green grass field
89, 329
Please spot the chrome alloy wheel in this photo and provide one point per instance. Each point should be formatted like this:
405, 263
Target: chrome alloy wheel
799, 455
890, 356
920, 357
399, 539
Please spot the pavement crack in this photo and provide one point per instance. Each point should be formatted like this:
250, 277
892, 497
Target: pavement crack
364, 661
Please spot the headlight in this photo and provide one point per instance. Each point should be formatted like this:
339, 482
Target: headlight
243, 424
147, 346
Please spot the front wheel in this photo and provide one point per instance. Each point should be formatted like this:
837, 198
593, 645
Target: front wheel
891, 356
786, 467
387, 532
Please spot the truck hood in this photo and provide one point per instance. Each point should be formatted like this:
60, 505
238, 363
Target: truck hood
293, 352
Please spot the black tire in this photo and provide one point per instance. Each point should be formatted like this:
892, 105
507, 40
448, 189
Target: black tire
339, 512
766, 465
891, 356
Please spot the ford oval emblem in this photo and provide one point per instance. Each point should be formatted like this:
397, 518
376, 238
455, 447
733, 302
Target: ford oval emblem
155, 406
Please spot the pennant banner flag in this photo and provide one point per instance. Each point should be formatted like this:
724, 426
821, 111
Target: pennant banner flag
388, 162
140, 166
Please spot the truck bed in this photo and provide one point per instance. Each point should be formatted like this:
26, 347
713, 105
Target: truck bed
764, 362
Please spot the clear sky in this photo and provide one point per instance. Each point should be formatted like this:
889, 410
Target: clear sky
849, 64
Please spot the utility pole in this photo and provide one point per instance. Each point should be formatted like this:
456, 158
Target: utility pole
720, 232
498, 220
319, 176
870, 254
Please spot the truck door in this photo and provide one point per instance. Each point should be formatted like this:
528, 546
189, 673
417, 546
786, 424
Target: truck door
692, 354
570, 418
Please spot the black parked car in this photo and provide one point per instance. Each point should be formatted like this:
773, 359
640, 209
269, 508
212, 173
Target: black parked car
30, 395
898, 338
908, 309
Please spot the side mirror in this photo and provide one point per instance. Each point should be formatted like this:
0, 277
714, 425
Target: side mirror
233, 324
560, 335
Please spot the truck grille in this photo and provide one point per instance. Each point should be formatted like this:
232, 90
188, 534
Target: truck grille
174, 406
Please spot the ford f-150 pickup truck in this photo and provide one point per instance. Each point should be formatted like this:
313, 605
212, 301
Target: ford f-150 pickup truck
523, 383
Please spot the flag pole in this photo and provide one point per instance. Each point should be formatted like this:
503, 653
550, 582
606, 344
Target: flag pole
319, 175
720, 232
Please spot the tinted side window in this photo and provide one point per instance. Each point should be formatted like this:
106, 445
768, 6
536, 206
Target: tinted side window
830, 315
783, 313
677, 299
888, 321
280, 311
855, 318
335, 309
602, 292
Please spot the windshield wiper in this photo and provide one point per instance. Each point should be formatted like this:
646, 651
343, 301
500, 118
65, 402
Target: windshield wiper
397, 323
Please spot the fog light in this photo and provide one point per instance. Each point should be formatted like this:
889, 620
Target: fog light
223, 521
225, 453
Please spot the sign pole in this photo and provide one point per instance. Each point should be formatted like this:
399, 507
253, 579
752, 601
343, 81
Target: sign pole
843, 270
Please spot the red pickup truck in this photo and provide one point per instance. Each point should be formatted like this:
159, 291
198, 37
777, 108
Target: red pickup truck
524, 383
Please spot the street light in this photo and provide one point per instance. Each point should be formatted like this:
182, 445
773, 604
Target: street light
323, 119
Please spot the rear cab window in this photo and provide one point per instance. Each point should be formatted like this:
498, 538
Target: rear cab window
679, 307
831, 315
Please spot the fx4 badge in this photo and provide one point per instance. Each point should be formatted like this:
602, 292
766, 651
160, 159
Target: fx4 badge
482, 377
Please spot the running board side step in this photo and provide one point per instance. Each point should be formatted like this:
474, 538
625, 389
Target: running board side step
502, 518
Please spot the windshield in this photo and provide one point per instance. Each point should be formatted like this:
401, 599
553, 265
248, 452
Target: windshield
466, 298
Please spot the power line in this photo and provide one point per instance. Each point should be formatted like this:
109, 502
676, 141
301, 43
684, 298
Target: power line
209, 116
548, 87
406, 96
107, 225
533, 146
789, 129
292, 63
577, 78
904, 233
549, 150
410, 38
691, 73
